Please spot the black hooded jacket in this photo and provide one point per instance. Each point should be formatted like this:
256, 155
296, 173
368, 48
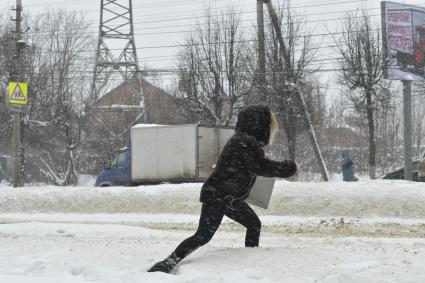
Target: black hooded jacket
243, 158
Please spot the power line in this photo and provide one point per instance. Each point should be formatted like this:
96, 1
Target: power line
252, 41
189, 16
250, 12
180, 45
199, 44
191, 25
241, 27
170, 58
184, 3
174, 73
308, 35
198, 17
92, 2
312, 66
311, 21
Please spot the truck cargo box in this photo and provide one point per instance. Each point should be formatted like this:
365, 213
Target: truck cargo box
175, 152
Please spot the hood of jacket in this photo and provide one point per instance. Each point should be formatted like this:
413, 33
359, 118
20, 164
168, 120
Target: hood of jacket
255, 121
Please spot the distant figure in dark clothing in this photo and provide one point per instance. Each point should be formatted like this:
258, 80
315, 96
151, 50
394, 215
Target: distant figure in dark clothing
347, 167
225, 190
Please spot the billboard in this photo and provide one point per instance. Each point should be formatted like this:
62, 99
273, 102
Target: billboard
403, 28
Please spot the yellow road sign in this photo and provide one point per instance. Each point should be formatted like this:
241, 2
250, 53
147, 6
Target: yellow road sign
18, 93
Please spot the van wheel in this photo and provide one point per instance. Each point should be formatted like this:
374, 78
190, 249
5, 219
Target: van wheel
105, 185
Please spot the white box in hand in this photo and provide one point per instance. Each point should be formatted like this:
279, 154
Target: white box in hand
261, 192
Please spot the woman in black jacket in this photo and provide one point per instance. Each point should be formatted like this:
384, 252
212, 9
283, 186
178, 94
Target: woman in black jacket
225, 190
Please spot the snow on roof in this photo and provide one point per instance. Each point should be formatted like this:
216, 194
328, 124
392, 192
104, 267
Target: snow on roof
147, 125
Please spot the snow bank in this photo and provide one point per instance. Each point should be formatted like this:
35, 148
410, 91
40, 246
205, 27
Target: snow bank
368, 231
378, 198
50, 253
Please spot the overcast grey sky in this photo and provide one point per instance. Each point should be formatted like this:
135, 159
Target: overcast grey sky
160, 24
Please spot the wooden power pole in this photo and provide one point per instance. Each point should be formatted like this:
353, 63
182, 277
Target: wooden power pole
261, 45
18, 76
297, 91
407, 112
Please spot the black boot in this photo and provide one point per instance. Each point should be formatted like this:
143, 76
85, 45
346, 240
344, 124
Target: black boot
166, 265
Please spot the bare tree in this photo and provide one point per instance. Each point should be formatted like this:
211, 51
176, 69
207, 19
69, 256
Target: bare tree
7, 71
7, 47
389, 133
294, 70
5, 52
289, 66
361, 71
216, 66
57, 61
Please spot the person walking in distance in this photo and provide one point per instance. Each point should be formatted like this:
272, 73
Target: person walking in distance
225, 191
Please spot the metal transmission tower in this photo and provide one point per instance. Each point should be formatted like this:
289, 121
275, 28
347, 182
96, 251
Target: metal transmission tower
116, 56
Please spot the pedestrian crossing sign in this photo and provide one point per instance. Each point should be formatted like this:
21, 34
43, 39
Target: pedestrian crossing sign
18, 93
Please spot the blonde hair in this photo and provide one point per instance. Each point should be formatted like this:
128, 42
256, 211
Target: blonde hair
274, 127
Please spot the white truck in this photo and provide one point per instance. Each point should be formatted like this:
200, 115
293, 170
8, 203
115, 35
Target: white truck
165, 153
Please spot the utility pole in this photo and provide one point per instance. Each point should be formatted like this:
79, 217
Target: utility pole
261, 45
407, 101
17, 75
407, 112
293, 84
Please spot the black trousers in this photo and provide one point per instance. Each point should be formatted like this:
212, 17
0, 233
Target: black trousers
210, 219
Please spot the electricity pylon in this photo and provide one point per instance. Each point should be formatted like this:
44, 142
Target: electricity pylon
116, 56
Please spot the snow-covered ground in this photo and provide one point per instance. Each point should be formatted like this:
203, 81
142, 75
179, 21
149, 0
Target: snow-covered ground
368, 231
